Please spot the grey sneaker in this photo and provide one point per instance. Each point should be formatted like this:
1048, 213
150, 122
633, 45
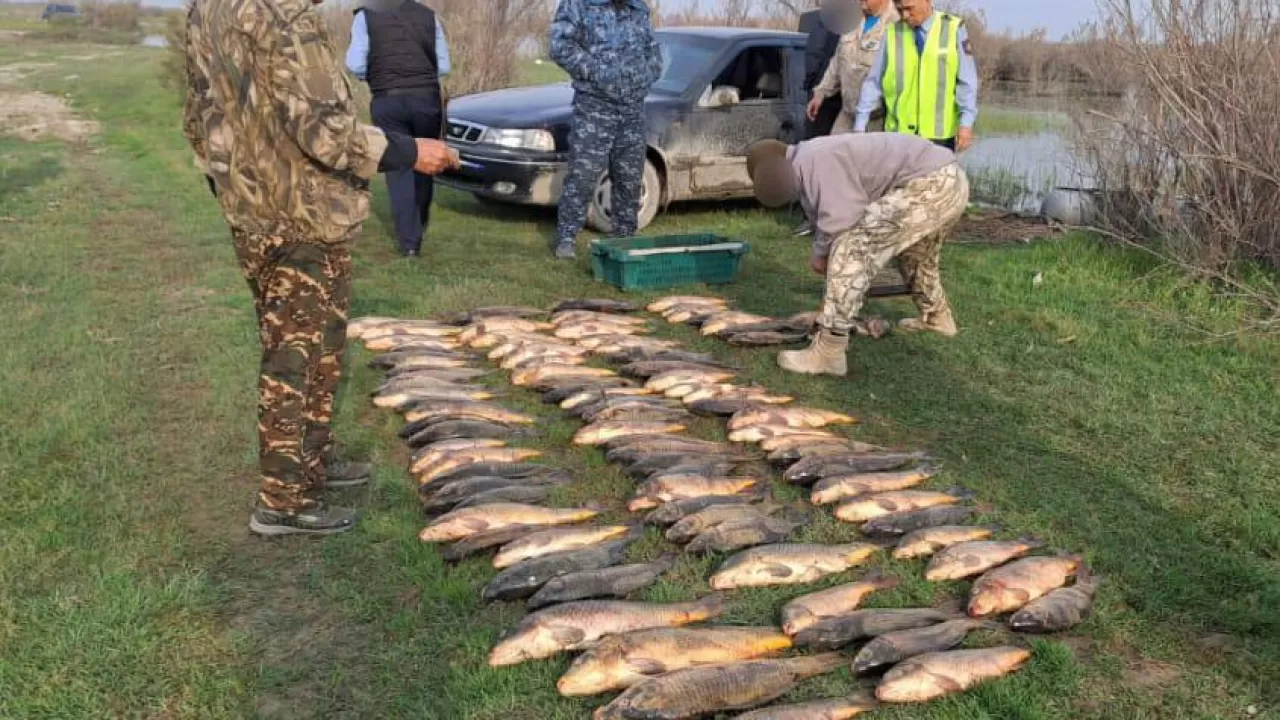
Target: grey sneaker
347, 474
804, 229
320, 519
566, 251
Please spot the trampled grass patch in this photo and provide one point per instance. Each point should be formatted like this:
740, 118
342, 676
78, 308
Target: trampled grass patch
129, 585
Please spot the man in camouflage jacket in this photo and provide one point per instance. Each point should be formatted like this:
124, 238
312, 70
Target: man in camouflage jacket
271, 121
608, 49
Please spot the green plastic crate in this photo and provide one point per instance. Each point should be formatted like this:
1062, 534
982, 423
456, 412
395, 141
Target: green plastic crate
650, 263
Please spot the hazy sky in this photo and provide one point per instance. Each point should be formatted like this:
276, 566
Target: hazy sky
1059, 16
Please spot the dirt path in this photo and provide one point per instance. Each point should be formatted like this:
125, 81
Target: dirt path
34, 115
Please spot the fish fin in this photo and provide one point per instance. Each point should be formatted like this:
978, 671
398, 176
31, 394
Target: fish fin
882, 580
883, 542
954, 607
863, 700
991, 625
778, 570
1031, 541
810, 665
713, 604
1086, 576
666, 561
647, 666
567, 636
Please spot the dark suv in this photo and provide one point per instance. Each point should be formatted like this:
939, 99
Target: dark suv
721, 90
54, 11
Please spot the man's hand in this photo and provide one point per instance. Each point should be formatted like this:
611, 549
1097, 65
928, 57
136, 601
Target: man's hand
815, 105
964, 139
434, 157
818, 264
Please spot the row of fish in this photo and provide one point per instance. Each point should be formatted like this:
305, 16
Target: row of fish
484, 494
713, 318
710, 497
711, 504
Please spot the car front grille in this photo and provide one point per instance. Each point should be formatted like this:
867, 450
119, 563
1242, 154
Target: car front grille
465, 132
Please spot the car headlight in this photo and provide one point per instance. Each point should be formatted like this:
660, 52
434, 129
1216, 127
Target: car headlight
525, 139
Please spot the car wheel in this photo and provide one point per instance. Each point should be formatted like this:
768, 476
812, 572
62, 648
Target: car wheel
600, 212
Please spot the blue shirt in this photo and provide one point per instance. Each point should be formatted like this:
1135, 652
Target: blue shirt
966, 84
358, 53
869, 23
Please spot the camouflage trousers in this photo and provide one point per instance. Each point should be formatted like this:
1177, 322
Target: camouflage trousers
604, 138
301, 291
909, 224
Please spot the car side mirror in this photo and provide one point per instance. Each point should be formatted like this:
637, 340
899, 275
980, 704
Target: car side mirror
723, 96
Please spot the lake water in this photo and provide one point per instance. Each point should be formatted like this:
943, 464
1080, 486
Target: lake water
1016, 171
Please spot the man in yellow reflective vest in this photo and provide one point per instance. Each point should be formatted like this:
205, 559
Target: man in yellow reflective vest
924, 77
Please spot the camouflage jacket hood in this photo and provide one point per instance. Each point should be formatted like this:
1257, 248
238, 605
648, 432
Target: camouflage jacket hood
607, 48
271, 118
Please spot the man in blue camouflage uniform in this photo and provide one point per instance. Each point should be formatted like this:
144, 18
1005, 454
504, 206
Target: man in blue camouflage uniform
608, 49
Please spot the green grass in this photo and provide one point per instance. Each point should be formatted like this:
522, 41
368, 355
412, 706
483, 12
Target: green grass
997, 120
1080, 408
531, 72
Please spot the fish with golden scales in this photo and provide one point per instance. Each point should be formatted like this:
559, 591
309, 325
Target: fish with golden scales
579, 625
620, 661
935, 675
706, 690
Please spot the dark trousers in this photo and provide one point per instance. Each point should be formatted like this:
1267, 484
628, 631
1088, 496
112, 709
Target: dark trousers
417, 116
827, 115
949, 143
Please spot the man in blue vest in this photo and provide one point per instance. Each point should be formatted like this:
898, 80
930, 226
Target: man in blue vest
924, 77
399, 48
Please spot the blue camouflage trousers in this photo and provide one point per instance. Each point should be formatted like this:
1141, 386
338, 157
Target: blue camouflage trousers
604, 137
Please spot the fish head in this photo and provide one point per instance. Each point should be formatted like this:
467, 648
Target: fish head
909, 682
796, 619
533, 641
984, 602
600, 670
875, 654
826, 634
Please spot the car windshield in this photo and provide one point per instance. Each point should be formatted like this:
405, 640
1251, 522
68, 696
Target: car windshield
683, 59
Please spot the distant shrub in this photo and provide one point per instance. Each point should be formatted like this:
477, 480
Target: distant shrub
122, 15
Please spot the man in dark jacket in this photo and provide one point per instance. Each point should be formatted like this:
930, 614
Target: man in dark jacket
608, 49
823, 42
398, 47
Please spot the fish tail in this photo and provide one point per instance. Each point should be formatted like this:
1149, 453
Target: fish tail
708, 607
817, 664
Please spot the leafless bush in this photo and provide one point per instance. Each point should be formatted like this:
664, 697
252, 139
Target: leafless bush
485, 37
772, 14
112, 15
1193, 159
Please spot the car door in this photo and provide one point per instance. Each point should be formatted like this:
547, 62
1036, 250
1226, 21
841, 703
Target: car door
750, 98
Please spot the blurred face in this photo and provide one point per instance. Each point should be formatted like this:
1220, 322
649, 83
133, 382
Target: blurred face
873, 7
914, 12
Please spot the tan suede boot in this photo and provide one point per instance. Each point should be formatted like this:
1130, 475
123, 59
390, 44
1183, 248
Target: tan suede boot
827, 355
941, 322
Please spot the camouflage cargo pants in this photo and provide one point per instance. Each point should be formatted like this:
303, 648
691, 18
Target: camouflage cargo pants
301, 291
910, 224
604, 137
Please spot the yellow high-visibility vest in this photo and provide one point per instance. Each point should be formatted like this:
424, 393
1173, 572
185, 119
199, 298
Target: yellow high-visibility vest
920, 90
